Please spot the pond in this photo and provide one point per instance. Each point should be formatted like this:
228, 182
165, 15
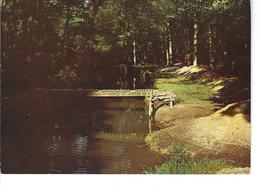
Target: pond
50, 132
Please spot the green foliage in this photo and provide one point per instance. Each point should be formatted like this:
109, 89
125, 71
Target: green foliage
182, 163
181, 153
222, 4
66, 78
41, 37
99, 44
203, 166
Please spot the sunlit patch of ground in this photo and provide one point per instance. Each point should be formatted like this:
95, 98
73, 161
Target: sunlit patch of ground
182, 113
187, 91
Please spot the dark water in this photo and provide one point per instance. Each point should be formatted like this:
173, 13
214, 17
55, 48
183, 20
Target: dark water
50, 132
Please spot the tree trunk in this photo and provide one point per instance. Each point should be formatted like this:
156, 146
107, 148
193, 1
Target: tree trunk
170, 49
167, 57
195, 44
211, 51
134, 52
169, 43
66, 33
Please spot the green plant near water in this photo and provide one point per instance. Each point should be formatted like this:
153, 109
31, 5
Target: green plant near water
187, 91
130, 105
182, 163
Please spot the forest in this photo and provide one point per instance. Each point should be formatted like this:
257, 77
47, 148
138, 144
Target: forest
95, 43
126, 86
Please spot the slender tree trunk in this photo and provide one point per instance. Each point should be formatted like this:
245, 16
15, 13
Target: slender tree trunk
169, 43
146, 54
37, 35
13, 32
211, 51
228, 56
167, 57
34, 28
66, 33
195, 44
170, 50
134, 52
162, 51
174, 47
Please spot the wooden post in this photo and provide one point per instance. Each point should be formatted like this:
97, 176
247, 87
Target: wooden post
171, 102
149, 106
150, 125
150, 112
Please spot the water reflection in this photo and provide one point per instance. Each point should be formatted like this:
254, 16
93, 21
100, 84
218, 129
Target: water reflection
79, 150
61, 139
54, 149
79, 145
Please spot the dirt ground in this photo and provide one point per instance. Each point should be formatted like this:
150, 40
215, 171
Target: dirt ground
218, 131
223, 134
181, 113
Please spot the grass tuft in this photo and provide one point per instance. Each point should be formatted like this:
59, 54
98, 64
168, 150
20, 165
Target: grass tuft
203, 166
182, 163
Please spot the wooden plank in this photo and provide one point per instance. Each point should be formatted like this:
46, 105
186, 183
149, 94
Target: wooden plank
117, 136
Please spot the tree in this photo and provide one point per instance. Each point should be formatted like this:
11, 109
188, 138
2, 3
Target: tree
46, 41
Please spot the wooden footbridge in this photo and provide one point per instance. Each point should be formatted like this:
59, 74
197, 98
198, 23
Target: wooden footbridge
154, 98
117, 92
